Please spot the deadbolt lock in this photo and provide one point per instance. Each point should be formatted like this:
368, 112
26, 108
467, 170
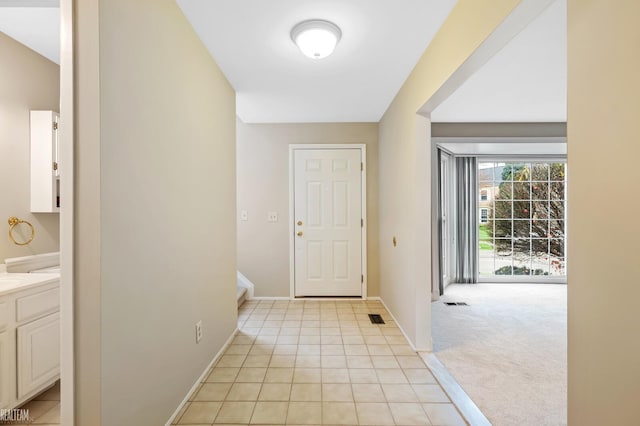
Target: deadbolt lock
299, 223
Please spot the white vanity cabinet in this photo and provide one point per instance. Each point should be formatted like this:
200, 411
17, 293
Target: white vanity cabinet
45, 176
29, 342
6, 377
38, 354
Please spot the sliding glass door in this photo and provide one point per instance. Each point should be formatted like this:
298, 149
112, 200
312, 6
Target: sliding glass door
521, 219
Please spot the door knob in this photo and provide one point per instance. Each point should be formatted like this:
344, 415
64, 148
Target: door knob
299, 233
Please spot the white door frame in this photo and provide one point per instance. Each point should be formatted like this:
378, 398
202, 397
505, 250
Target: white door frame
363, 181
66, 141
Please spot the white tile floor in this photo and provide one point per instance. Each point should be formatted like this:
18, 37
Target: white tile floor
320, 363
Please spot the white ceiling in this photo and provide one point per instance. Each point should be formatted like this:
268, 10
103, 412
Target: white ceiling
524, 82
34, 23
381, 42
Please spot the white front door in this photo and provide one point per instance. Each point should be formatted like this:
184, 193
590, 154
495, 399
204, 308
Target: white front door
328, 222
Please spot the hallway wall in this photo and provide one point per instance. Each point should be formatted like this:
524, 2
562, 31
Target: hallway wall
405, 212
603, 266
28, 81
155, 223
263, 186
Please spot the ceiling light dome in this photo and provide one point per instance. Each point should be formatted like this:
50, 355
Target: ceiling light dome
316, 38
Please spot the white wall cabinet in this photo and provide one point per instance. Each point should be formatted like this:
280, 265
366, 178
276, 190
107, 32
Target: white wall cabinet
45, 175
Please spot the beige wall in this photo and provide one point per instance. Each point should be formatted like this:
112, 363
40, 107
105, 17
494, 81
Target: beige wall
263, 186
603, 250
156, 202
405, 272
28, 81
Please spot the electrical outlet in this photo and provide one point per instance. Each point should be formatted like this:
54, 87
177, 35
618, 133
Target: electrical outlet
272, 217
244, 215
198, 331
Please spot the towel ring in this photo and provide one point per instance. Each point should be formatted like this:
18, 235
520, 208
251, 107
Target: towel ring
13, 221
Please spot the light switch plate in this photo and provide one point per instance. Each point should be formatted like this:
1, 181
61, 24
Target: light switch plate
272, 217
244, 215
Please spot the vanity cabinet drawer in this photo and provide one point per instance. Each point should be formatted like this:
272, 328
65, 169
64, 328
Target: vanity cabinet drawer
37, 304
4, 315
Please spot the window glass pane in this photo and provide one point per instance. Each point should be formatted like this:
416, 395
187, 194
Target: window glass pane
521, 172
557, 266
503, 259
503, 228
522, 267
486, 193
539, 228
540, 209
521, 256
521, 191
540, 171
521, 228
556, 228
557, 190
540, 190
484, 216
540, 248
521, 209
556, 247
521, 248
502, 172
556, 209
504, 191
539, 268
557, 171
485, 172
503, 247
503, 210
540, 257
486, 255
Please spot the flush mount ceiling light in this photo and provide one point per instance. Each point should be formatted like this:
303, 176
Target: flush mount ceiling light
316, 38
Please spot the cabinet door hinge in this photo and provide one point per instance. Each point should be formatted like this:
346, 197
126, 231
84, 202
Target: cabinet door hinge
55, 125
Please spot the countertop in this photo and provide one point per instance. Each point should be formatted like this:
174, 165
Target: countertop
12, 282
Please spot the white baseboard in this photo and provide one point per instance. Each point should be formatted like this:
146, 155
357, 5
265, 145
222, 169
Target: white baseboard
311, 299
458, 396
202, 377
270, 298
413, 347
244, 282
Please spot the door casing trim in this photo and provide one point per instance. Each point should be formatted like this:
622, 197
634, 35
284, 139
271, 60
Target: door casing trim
363, 230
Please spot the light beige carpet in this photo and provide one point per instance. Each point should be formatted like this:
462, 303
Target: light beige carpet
507, 349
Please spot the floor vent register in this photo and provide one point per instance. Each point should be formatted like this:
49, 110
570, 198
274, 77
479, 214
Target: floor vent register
376, 319
455, 304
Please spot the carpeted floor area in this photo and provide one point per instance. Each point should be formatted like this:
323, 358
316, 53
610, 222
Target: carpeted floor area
507, 349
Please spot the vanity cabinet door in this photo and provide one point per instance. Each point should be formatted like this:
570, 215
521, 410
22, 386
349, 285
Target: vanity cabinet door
7, 380
38, 354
